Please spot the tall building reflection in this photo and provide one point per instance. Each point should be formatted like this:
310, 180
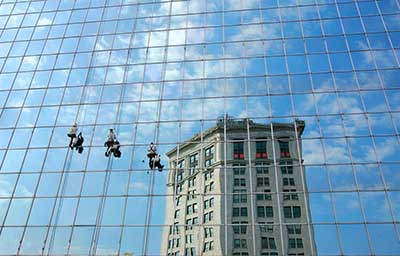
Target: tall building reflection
239, 189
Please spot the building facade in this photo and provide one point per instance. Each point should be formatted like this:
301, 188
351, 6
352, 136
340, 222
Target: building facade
239, 189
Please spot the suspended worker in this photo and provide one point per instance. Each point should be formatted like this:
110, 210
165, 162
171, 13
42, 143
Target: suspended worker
154, 158
157, 163
78, 143
72, 134
112, 144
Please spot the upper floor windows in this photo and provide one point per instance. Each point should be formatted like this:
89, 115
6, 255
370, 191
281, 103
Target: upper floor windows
265, 212
192, 208
292, 211
193, 163
191, 182
209, 203
208, 216
238, 150
194, 160
294, 229
261, 149
239, 196
295, 243
239, 229
208, 175
208, 246
181, 170
268, 243
208, 232
209, 156
239, 212
209, 187
284, 148
286, 167
240, 243
239, 169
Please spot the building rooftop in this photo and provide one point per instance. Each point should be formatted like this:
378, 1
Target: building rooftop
234, 124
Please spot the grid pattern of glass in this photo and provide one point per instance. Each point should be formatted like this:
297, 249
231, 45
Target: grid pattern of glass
277, 122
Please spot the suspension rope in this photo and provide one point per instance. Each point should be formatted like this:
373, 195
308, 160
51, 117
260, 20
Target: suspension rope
67, 166
156, 133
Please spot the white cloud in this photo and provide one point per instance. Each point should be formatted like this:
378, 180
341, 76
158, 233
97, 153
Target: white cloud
139, 186
43, 21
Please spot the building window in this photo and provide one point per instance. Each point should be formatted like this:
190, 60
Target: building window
208, 175
296, 212
179, 176
191, 194
209, 203
192, 208
177, 213
294, 229
295, 243
261, 149
288, 182
179, 188
239, 169
208, 216
178, 200
208, 232
268, 243
209, 156
239, 212
284, 148
292, 211
287, 195
262, 168
209, 187
191, 222
286, 167
239, 182
174, 229
262, 181
192, 182
189, 239
269, 254
267, 196
265, 212
239, 227
190, 251
240, 243
208, 246
238, 150
269, 227
239, 196
193, 163
181, 170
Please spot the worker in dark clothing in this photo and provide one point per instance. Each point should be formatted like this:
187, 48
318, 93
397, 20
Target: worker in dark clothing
157, 163
78, 143
111, 138
112, 145
151, 153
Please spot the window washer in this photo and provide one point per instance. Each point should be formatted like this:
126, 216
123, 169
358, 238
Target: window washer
78, 143
111, 138
151, 153
157, 163
112, 145
72, 134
